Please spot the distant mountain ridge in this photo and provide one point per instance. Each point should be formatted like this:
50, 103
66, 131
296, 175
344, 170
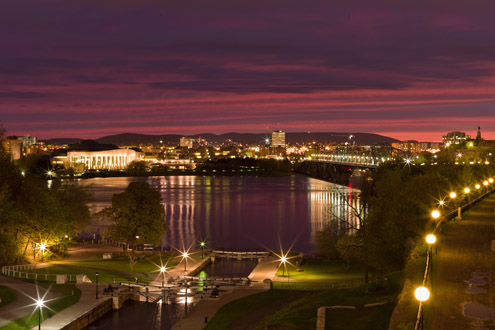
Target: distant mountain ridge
290, 137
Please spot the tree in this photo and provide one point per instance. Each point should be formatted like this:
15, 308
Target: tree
326, 242
137, 212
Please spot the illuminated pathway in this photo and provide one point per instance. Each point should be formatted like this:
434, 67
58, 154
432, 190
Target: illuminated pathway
22, 305
463, 294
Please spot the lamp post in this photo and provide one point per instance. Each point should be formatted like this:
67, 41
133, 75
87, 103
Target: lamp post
202, 244
435, 214
163, 269
42, 248
283, 260
431, 239
422, 294
184, 256
39, 305
97, 274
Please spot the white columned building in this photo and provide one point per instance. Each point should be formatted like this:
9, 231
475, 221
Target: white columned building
103, 160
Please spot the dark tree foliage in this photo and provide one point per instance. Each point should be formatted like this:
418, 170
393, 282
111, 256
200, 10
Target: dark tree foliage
31, 212
137, 212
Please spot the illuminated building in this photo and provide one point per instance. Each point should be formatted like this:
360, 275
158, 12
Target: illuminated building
103, 160
13, 146
455, 138
278, 139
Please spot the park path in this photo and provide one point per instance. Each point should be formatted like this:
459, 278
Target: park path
22, 305
463, 292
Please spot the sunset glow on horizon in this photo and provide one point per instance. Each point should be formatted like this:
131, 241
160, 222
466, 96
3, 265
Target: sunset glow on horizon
85, 69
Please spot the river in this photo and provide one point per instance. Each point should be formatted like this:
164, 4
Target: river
237, 212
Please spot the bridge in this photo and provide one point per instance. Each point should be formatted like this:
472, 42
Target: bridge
359, 156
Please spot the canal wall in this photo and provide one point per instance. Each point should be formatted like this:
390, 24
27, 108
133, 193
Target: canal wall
90, 316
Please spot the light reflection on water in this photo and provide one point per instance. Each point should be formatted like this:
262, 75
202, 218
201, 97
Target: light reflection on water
239, 212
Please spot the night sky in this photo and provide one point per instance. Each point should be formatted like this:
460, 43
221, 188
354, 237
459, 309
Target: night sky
406, 69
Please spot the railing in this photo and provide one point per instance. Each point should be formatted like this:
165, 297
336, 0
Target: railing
16, 271
318, 285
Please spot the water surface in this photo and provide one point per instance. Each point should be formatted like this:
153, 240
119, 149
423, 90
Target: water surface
238, 212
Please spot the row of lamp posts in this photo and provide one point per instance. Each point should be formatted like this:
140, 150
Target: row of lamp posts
422, 293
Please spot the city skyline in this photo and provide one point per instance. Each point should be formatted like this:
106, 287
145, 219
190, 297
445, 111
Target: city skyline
88, 69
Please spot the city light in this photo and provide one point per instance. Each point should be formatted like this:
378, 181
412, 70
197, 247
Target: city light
453, 195
422, 294
490, 180
435, 214
467, 190
477, 186
485, 183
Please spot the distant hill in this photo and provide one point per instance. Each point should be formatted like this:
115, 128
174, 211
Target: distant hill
61, 141
292, 137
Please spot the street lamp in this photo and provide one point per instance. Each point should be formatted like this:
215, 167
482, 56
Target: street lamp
431, 239
485, 183
477, 186
202, 244
97, 274
39, 304
422, 294
490, 180
42, 248
453, 195
184, 256
435, 214
467, 190
283, 260
163, 269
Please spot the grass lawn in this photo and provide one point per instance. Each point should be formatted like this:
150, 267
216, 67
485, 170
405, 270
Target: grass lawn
292, 309
302, 313
248, 306
7, 294
105, 276
148, 264
313, 269
69, 296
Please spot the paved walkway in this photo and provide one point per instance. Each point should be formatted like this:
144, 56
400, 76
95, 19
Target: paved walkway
87, 302
463, 294
23, 304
